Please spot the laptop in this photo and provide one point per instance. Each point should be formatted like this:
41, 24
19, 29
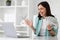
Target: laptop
10, 31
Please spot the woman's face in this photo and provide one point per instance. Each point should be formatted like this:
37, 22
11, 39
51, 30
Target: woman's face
42, 10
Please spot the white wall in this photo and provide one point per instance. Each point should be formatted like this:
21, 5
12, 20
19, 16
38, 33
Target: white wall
21, 14
1, 2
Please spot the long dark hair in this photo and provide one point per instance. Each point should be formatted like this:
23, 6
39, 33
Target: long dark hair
48, 11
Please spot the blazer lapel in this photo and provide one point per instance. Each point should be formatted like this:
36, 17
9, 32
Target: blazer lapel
38, 27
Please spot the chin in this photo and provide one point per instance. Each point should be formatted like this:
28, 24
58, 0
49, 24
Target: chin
41, 15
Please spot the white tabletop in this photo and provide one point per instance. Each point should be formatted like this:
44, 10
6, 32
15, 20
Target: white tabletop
31, 38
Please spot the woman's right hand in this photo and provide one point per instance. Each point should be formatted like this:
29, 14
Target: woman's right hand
29, 22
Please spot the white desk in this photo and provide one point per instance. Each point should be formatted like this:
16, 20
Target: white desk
33, 38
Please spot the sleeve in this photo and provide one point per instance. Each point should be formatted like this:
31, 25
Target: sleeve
35, 21
53, 23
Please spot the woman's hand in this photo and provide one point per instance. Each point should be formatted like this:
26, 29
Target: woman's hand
51, 30
29, 22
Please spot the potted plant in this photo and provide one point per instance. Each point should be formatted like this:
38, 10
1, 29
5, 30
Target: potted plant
8, 2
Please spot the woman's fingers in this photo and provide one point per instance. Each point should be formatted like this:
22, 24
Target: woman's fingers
28, 22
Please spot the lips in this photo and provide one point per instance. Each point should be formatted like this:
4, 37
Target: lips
41, 13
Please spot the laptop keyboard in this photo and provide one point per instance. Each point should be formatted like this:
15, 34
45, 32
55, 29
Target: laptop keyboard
23, 36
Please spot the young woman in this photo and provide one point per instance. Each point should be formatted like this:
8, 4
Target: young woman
44, 24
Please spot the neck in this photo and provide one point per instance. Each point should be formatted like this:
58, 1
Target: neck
44, 17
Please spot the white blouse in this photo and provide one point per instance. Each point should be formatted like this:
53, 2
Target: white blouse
43, 28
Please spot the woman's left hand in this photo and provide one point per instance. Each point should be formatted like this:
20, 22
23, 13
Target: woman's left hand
51, 32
